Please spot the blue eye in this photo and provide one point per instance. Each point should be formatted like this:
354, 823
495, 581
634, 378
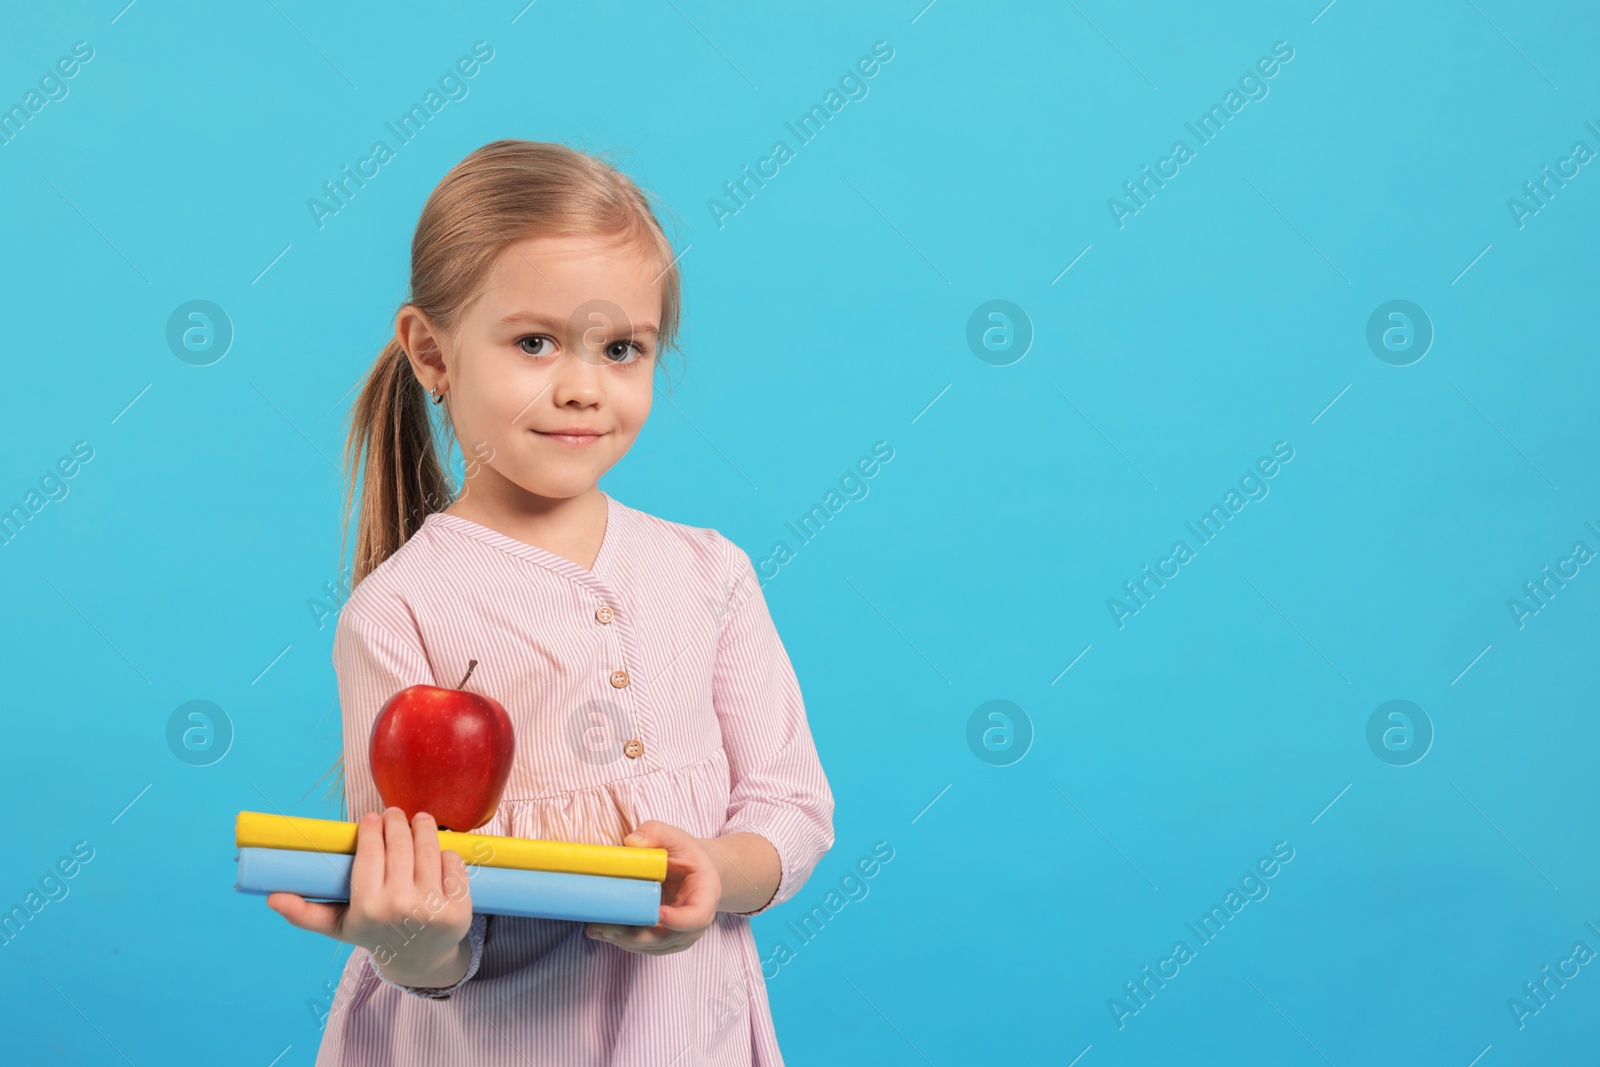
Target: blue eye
617, 352
613, 349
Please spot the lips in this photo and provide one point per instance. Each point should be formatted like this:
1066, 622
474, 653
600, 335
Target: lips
577, 435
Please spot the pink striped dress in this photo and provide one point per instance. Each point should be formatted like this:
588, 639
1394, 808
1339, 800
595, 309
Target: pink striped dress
653, 686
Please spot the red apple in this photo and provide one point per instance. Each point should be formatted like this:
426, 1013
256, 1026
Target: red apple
447, 752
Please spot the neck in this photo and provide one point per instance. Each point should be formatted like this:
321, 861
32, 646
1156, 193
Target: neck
571, 527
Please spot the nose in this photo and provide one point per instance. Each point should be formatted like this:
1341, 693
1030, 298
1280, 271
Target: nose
577, 377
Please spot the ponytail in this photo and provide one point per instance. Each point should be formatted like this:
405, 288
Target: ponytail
393, 437
405, 481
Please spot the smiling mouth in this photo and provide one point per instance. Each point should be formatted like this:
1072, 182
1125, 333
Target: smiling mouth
578, 439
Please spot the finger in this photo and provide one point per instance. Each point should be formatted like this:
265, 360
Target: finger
366, 870
667, 948
689, 896
683, 849
324, 919
398, 867
454, 882
653, 833
693, 906
454, 887
632, 936
425, 848
686, 858
665, 944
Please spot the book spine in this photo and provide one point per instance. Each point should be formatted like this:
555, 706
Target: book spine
254, 829
494, 890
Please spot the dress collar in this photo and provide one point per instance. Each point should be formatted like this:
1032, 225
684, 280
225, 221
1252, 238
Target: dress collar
594, 576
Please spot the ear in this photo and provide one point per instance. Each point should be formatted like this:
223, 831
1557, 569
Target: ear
417, 335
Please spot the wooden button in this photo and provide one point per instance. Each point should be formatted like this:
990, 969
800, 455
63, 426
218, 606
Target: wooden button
633, 749
604, 614
619, 678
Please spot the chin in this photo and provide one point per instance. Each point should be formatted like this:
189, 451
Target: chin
560, 488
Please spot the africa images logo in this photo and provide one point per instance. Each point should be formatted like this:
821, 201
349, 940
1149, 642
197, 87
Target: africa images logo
1140, 591
1206, 128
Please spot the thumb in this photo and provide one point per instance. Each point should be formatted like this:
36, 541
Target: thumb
322, 919
653, 834
643, 834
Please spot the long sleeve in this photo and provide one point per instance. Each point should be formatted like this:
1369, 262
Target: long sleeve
476, 934
778, 788
373, 662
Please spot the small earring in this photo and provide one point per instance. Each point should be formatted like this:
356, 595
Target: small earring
437, 397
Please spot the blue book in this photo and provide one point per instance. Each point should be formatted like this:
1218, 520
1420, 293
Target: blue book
593, 898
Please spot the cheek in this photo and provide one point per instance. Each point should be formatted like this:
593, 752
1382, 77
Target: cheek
483, 427
633, 403
507, 406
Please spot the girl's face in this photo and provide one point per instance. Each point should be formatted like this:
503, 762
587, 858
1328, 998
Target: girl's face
549, 374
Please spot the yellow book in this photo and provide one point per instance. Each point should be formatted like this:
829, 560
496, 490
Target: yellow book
255, 829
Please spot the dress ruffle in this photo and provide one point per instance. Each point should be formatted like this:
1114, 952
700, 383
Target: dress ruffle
693, 797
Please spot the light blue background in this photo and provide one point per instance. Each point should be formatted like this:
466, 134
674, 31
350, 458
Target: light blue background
823, 317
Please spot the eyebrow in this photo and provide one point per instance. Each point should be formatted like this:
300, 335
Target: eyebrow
534, 318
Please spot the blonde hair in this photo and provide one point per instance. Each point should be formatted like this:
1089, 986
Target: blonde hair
503, 192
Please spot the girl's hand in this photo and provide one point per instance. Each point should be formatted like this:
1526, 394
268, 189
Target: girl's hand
398, 874
689, 896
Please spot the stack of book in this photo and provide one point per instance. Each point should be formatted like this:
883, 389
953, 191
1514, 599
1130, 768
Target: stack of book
507, 875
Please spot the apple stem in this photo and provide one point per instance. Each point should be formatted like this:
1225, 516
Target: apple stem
471, 666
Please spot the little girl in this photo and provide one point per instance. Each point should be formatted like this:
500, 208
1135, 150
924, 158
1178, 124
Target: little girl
653, 702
